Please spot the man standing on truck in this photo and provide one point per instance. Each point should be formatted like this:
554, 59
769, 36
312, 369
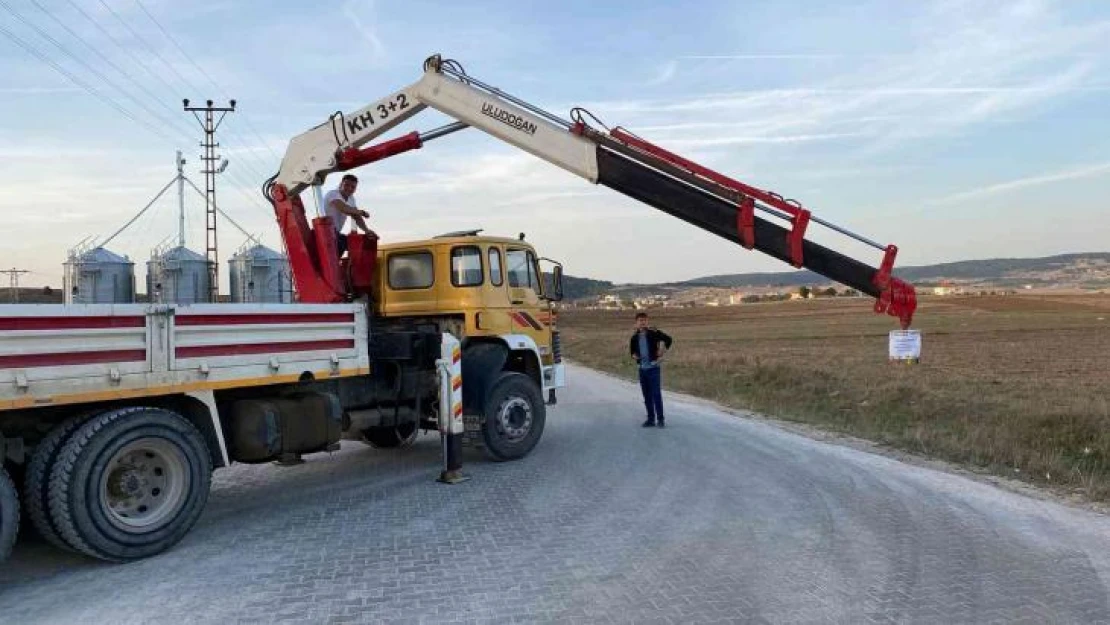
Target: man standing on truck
339, 203
646, 350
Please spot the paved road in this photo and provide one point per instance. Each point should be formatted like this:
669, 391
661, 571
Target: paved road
715, 519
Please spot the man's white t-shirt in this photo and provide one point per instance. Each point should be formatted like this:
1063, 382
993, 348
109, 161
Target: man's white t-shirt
338, 219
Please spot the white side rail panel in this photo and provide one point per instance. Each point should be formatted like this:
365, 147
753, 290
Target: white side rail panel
57, 354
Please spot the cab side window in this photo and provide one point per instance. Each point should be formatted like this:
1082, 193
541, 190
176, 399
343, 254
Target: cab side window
466, 266
495, 277
411, 270
522, 270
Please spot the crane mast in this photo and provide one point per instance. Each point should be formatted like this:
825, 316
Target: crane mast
614, 158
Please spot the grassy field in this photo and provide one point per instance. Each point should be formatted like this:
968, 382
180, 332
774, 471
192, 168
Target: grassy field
1017, 385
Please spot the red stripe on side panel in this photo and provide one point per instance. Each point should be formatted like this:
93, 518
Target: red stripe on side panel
200, 351
267, 318
72, 358
70, 323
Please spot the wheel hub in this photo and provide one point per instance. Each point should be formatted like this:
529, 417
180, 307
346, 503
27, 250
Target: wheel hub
514, 418
145, 484
125, 482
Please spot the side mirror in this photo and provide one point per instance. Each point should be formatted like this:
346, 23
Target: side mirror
555, 294
558, 280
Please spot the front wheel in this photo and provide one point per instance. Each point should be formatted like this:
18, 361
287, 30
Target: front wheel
514, 417
9, 514
130, 483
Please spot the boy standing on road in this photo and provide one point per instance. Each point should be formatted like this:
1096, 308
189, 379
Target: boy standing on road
645, 348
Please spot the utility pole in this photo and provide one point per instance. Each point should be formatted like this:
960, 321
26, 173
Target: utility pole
180, 162
210, 170
13, 275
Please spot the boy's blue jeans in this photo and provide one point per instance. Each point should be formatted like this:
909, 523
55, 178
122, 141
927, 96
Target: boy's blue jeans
651, 386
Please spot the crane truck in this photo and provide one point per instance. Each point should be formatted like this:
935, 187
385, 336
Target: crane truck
114, 416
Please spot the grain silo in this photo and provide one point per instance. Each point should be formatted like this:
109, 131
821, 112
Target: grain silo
98, 276
178, 276
259, 274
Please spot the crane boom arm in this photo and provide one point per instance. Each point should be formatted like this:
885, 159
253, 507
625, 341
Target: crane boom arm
616, 159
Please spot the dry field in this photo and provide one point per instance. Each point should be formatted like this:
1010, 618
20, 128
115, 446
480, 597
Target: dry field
1017, 386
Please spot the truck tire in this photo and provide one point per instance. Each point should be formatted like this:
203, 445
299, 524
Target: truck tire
130, 483
390, 437
36, 491
9, 514
514, 417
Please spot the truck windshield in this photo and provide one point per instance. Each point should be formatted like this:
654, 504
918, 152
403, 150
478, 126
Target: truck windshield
522, 269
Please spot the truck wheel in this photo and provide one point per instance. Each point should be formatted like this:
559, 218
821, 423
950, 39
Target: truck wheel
9, 514
130, 483
36, 491
514, 417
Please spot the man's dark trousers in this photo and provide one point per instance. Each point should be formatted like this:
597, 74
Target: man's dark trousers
651, 386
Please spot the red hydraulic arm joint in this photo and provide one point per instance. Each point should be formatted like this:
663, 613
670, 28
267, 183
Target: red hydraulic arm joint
320, 275
799, 216
896, 297
312, 253
745, 222
796, 236
349, 158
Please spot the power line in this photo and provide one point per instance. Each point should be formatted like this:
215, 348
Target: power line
81, 62
226, 216
249, 168
260, 139
92, 90
148, 46
108, 61
207, 76
175, 128
203, 72
122, 47
96, 92
251, 197
31, 50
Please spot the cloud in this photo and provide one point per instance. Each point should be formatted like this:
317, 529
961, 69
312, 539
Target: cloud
37, 90
1086, 171
964, 66
769, 57
361, 14
759, 139
665, 74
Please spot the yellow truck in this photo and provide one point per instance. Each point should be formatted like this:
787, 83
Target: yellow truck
114, 416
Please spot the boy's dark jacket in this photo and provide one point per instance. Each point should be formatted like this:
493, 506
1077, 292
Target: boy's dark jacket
655, 335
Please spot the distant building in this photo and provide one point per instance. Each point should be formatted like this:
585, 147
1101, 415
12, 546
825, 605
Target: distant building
610, 302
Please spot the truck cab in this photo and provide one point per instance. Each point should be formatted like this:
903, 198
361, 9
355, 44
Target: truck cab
484, 290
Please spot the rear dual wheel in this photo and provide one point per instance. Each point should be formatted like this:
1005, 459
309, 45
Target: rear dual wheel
9, 514
120, 485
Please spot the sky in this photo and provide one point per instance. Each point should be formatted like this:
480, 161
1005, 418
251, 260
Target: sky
952, 129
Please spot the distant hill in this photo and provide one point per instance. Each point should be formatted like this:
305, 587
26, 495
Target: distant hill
578, 288
1085, 270
1093, 267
